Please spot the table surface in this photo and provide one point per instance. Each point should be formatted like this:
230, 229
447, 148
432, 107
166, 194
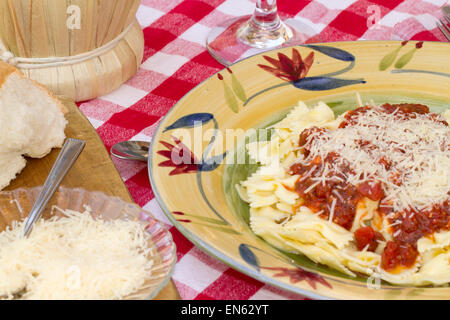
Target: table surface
176, 60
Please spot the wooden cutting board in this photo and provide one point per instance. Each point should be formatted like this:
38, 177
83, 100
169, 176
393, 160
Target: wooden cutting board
94, 170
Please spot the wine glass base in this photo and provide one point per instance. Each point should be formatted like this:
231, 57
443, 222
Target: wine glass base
237, 39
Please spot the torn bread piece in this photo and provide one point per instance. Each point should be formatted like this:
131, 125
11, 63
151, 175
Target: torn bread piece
31, 121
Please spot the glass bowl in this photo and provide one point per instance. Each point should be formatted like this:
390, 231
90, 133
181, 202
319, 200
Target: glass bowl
15, 205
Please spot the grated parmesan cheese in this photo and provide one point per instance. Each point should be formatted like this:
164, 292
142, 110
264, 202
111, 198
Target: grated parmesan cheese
74, 257
333, 205
418, 149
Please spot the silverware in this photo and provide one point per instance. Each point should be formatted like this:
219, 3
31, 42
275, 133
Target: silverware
66, 158
446, 11
442, 24
131, 150
445, 29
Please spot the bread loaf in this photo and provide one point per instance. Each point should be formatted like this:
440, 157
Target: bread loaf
31, 122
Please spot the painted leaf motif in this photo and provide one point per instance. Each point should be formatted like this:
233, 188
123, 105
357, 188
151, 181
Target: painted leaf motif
212, 163
389, 59
334, 103
248, 256
191, 121
404, 59
205, 219
230, 98
238, 88
332, 52
324, 83
226, 230
221, 229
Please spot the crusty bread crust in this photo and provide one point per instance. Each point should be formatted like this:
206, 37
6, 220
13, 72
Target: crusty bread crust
6, 70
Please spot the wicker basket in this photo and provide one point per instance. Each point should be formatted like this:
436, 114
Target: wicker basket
78, 48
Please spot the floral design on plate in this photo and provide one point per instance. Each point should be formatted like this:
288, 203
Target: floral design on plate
294, 70
180, 151
294, 274
297, 274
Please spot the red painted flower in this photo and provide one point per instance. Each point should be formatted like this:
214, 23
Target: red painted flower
297, 275
289, 69
179, 157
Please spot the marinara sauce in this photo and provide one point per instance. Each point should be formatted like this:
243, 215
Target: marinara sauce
334, 195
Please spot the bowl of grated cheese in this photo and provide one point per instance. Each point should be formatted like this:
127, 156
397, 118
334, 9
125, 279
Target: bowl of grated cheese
87, 246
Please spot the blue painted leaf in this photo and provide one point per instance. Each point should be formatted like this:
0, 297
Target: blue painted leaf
333, 52
248, 256
212, 163
191, 121
324, 83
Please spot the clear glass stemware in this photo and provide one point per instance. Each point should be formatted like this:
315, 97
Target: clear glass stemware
241, 37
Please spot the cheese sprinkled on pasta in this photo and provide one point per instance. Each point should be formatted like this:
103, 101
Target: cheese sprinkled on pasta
387, 165
418, 149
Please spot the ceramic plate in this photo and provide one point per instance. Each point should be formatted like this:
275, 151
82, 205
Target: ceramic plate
194, 179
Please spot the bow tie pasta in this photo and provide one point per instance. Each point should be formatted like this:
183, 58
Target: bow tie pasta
365, 192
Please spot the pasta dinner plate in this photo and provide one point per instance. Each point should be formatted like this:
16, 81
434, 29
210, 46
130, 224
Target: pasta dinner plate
322, 169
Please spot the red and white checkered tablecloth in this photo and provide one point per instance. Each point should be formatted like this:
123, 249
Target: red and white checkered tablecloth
175, 61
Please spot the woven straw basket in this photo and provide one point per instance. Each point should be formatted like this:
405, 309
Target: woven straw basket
78, 48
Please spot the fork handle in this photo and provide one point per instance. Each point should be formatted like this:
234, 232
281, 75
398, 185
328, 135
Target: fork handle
66, 158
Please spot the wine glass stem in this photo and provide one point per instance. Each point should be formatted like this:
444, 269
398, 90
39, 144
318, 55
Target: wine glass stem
264, 30
266, 15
